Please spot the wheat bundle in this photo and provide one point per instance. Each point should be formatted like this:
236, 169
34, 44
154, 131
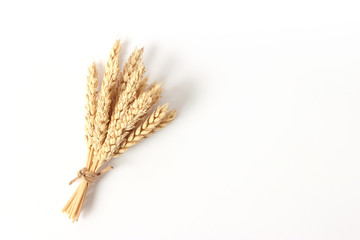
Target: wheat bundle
117, 117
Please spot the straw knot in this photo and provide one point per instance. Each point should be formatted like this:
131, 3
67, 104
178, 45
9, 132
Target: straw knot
88, 176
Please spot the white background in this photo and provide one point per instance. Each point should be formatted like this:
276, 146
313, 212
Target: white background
266, 144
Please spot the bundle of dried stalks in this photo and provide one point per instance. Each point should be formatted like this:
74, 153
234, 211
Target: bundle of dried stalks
117, 117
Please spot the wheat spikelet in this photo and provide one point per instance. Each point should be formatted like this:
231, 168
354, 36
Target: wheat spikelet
91, 95
104, 102
116, 118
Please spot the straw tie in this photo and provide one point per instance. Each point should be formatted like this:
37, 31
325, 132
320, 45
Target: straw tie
88, 176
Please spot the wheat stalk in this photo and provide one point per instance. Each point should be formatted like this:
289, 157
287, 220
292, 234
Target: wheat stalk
116, 118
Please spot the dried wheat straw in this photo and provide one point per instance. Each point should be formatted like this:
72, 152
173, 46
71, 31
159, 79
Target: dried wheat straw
116, 118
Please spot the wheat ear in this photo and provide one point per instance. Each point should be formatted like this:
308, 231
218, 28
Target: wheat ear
170, 116
91, 95
104, 101
158, 119
131, 64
